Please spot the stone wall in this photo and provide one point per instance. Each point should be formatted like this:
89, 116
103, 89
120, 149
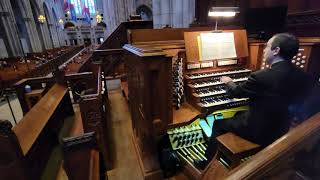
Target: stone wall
174, 13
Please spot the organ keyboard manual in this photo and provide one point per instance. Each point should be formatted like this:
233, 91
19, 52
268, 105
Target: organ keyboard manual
210, 56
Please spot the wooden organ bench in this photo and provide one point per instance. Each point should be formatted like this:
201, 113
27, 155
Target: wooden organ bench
232, 149
293, 156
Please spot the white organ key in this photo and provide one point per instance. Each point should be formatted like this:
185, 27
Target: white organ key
222, 102
210, 93
202, 75
213, 83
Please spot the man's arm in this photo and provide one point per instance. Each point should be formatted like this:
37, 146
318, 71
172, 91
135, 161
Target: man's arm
250, 88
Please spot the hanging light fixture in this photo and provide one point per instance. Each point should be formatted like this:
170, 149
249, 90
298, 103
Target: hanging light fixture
60, 21
42, 19
99, 18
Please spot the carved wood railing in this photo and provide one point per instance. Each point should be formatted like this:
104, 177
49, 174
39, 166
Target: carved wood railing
38, 82
25, 149
81, 159
95, 115
118, 37
111, 61
110, 53
281, 158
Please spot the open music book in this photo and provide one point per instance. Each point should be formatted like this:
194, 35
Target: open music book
213, 46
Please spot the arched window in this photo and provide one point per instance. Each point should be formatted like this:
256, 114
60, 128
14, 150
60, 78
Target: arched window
88, 3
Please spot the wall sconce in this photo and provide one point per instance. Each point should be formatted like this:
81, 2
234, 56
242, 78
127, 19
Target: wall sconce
99, 18
60, 21
42, 19
222, 12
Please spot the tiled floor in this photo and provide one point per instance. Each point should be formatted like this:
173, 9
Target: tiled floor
5, 113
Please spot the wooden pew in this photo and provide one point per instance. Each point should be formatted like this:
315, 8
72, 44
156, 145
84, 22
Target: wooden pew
40, 70
280, 160
81, 159
26, 148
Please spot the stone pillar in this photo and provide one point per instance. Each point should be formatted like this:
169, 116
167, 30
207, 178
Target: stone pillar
109, 15
45, 35
156, 13
166, 12
61, 36
31, 28
10, 28
54, 35
79, 37
188, 12
175, 13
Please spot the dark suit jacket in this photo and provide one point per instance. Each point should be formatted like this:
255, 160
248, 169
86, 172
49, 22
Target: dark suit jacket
270, 92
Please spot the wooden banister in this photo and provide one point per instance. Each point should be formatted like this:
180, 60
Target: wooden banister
119, 36
296, 140
29, 128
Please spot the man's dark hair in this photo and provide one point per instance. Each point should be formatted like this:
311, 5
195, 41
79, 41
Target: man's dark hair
288, 44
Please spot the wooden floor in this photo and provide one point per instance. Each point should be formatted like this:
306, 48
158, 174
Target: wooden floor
126, 165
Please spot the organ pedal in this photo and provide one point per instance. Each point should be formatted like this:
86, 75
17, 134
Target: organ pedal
190, 141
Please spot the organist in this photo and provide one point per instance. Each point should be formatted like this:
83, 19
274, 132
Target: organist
271, 91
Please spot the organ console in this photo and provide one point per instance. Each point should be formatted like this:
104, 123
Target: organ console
165, 67
204, 89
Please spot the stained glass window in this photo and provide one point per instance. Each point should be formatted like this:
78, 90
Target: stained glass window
88, 3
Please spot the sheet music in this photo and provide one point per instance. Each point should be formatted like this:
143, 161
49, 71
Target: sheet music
217, 46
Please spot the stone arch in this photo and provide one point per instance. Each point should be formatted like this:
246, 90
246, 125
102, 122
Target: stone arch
20, 14
145, 12
69, 24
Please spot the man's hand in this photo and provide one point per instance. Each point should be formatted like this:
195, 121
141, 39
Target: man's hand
225, 79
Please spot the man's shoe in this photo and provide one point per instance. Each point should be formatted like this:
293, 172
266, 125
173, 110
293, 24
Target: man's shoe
200, 164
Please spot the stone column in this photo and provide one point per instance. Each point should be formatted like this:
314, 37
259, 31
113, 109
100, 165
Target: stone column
54, 35
166, 12
10, 28
175, 13
31, 28
188, 12
45, 35
61, 36
109, 15
156, 13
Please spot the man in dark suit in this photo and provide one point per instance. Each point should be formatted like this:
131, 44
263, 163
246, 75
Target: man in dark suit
270, 91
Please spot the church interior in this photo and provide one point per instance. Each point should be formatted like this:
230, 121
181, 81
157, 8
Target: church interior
132, 89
